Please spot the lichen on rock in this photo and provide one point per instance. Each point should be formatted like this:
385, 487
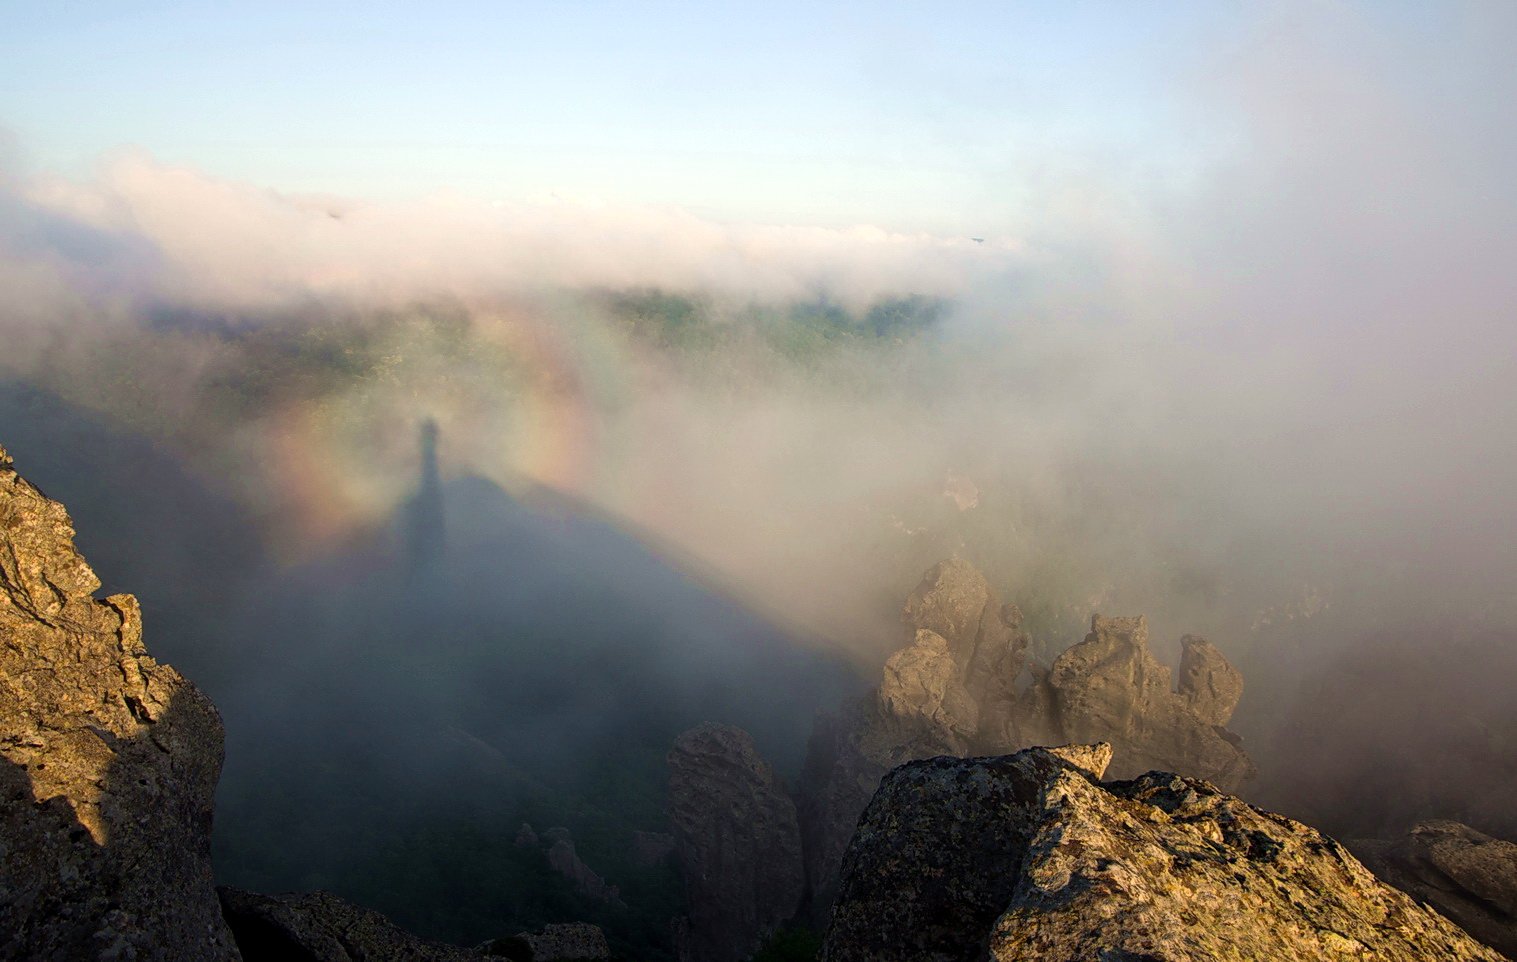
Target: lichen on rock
1029, 856
108, 763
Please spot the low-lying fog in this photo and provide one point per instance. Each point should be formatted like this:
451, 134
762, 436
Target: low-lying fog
689, 470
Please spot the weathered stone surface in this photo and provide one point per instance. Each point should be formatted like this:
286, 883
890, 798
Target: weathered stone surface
1465, 874
317, 927
108, 763
984, 638
950, 692
922, 687
937, 855
953, 691
575, 940
737, 841
1029, 857
1110, 687
837, 781
565, 860
1208, 682
950, 600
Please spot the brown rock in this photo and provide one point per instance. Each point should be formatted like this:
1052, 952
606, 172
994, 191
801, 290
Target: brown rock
1110, 687
108, 763
1208, 681
1028, 857
565, 860
922, 688
651, 848
1465, 874
953, 692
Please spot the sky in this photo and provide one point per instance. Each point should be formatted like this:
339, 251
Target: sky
1246, 265
911, 116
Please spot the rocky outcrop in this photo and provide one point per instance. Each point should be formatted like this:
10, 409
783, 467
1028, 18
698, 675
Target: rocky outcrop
564, 860
1110, 687
737, 842
1467, 875
985, 642
955, 691
561, 943
317, 927
1209, 684
1029, 856
110, 762
950, 692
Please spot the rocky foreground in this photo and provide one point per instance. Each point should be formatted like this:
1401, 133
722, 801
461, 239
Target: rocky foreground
1465, 874
109, 765
1031, 856
109, 762
108, 769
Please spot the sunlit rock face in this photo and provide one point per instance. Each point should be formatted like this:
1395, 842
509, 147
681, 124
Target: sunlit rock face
110, 763
965, 686
1463, 873
1031, 856
1111, 687
737, 841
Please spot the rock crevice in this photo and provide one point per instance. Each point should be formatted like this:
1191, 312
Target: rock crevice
110, 763
1030, 856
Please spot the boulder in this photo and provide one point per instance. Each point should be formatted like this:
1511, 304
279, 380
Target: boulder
737, 842
1465, 874
953, 691
561, 943
108, 763
1030, 856
317, 927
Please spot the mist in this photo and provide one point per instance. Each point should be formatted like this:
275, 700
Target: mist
1266, 399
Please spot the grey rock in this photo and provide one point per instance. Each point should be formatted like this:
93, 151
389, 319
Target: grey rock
108, 763
1028, 856
564, 860
1110, 687
575, 940
737, 841
318, 927
952, 691
837, 780
1463, 873
651, 848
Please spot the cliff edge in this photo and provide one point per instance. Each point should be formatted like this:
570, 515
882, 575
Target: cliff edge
110, 762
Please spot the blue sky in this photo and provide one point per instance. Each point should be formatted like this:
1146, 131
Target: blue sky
787, 111
912, 115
